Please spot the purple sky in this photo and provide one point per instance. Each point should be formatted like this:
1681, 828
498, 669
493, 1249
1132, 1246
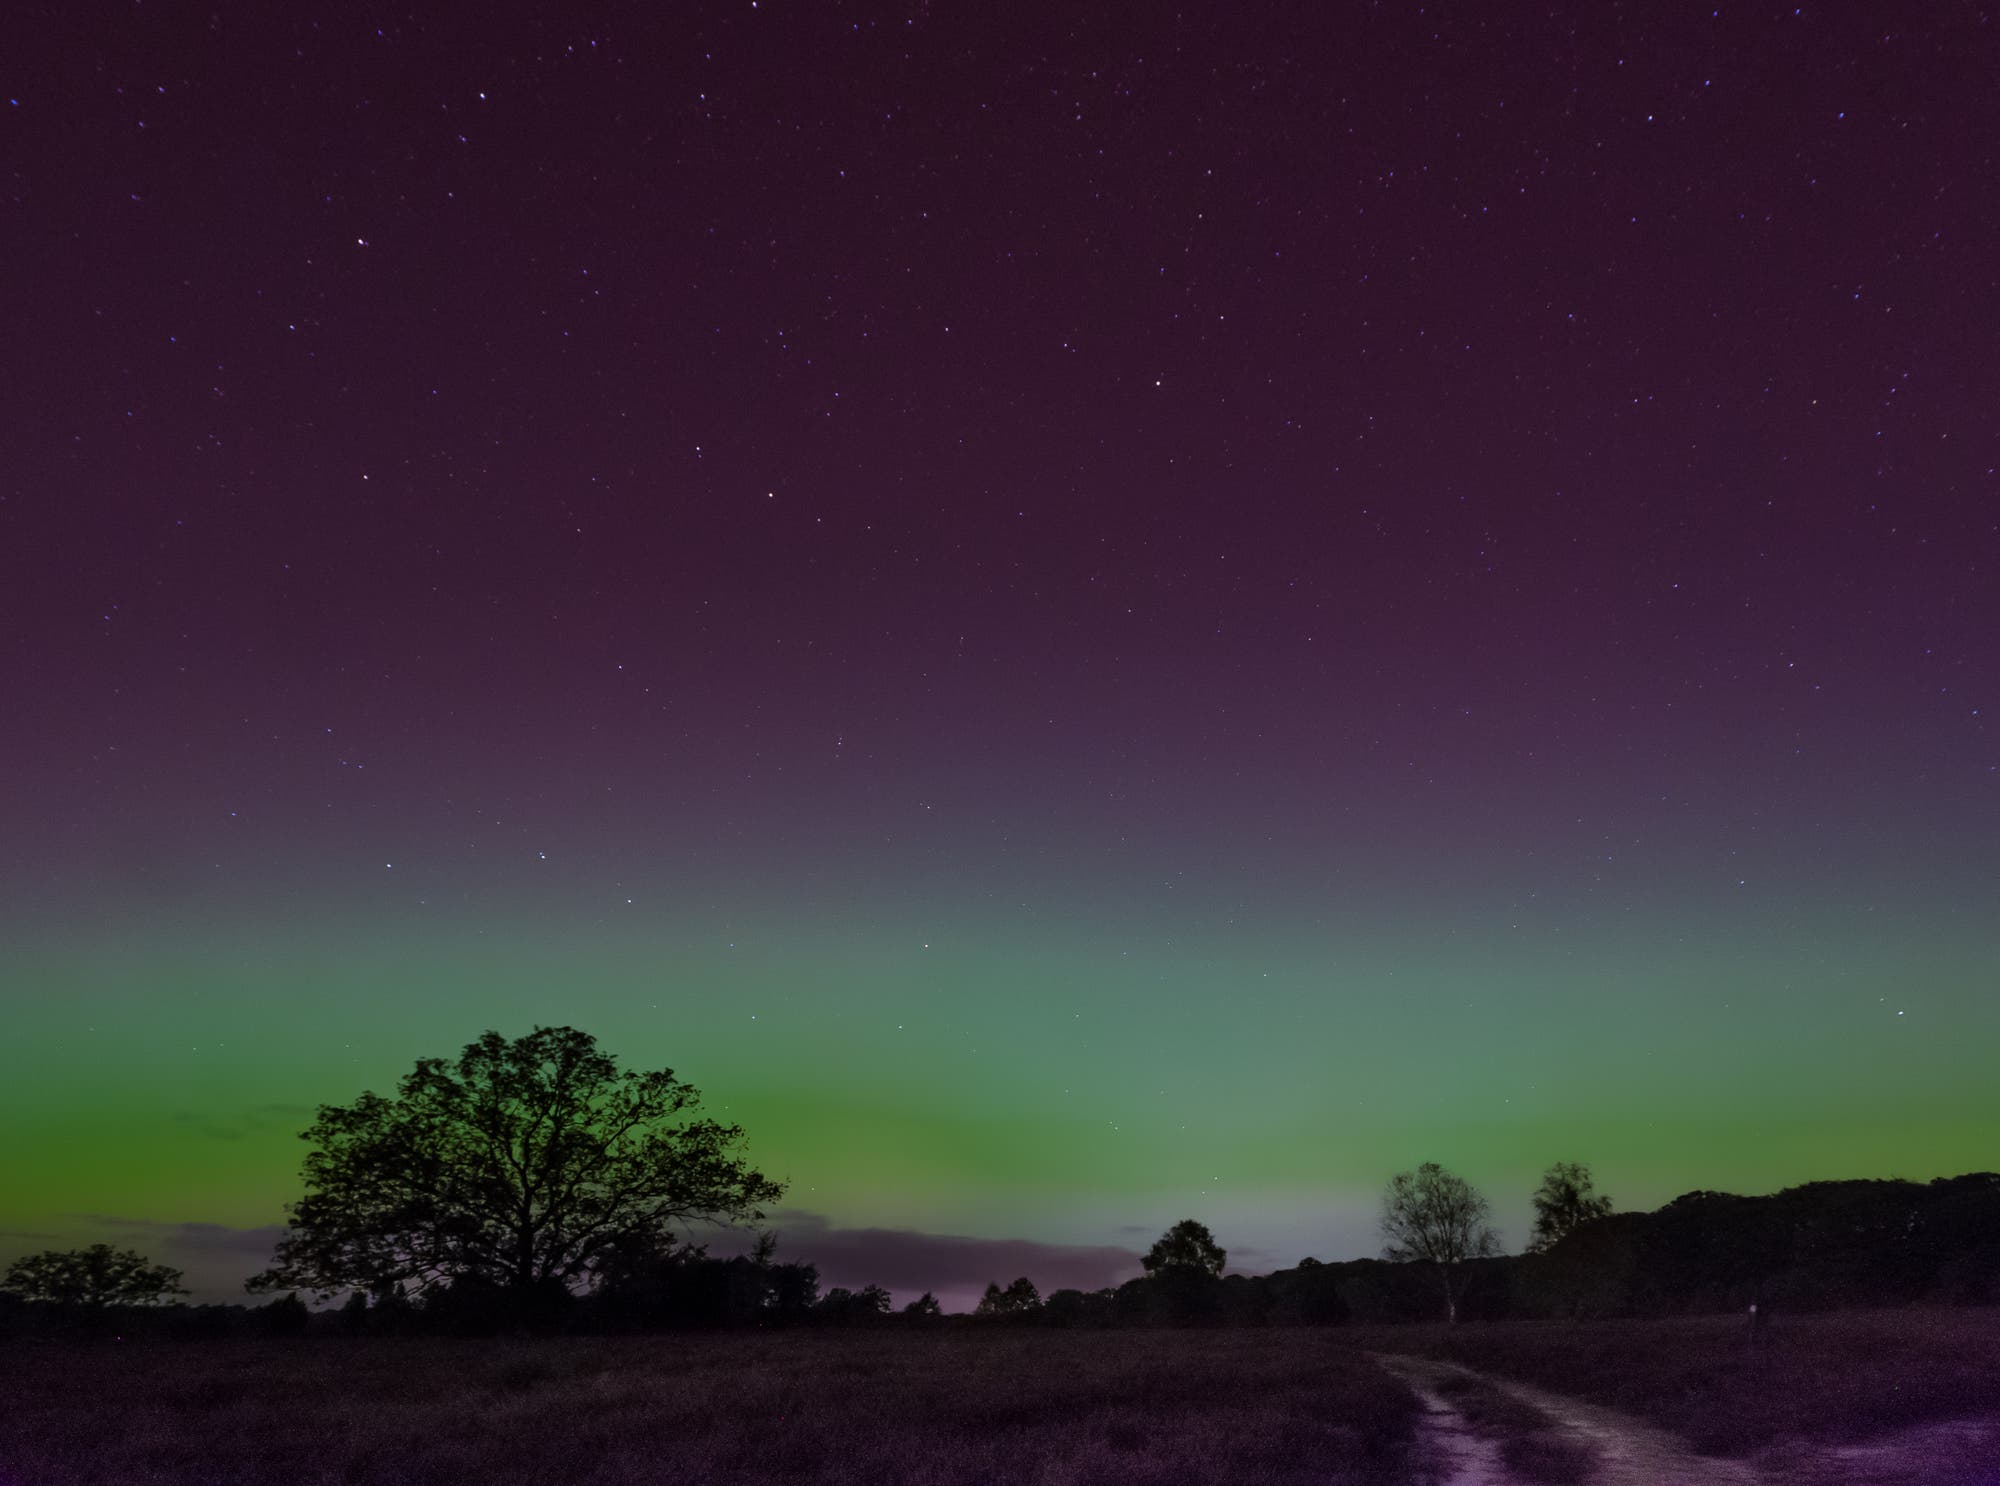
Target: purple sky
1084, 614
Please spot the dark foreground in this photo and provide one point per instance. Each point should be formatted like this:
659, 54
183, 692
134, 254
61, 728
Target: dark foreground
898, 1409
1856, 1399
1840, 1378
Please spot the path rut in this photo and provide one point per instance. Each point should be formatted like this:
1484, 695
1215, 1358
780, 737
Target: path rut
1464, 1455
1630, 1452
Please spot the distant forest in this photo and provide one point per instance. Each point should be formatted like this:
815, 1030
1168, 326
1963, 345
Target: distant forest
1822, 1246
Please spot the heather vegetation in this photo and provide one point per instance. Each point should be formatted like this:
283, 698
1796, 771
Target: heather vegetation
940, 1407
1832, 1378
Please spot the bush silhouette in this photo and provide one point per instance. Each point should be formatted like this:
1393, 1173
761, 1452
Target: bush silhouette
92, 1278
1020, 1299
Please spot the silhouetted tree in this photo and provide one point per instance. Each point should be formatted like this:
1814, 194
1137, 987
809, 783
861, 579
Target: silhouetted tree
1430, 1216
390, 1309
640, 1287
925, 1304
1306, 1296
285, 1316
1709, 1251
843, 1305
1133, 1303
794, 1291
1588, 1272
1566, 1199
1186, 1245
353, 1314
473, 1305
1959, 1229
92, 1278
1018, 1299
1824, 1244
520, 1166
1239, 1300
1067, 1307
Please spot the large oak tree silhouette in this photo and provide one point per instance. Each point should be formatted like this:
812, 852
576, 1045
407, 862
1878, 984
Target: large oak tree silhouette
521, 1166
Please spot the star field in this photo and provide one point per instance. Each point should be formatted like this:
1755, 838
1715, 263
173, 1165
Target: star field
1083, 616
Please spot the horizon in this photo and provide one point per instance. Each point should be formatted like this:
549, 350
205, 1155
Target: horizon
215, 1259
1082, 620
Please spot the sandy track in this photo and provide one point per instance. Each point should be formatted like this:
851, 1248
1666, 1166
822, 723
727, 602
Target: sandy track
1459, 1454
1630, 1452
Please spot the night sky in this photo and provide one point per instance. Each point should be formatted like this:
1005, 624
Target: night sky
1084, 615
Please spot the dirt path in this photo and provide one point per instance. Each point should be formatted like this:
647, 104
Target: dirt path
1630, 1452
1463, 1455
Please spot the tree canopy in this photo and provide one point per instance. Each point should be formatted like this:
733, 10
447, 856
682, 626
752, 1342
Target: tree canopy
1433, 1217
523, 1164
1565, 1201
842, 1304
1186, 1245
1018, 1299
95, 1277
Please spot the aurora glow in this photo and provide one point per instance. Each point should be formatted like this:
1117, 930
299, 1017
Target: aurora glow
1080, 627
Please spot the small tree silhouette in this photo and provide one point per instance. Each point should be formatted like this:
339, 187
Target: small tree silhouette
841, 1304
1018, 1299
1565, 1201
794, 1290
285, 1316
93, 1278
353, 1315
925, 1304
1432, 1217
1186, 1245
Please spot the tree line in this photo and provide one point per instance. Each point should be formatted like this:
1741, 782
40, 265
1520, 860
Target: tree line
534, 1183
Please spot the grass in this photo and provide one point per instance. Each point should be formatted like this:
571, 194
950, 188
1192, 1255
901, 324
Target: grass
1840, 1378
963, 1405
1105, 1408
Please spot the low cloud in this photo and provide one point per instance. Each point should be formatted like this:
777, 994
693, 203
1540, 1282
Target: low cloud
954, 1267
188, 1238
13, 1238
214, 1258
1245, 1258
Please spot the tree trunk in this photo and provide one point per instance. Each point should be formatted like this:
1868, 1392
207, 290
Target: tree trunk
524, 1255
